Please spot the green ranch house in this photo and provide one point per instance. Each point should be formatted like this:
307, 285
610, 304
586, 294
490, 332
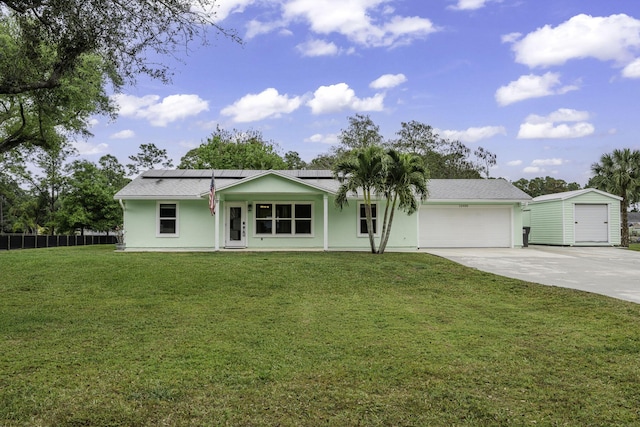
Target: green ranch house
295, 209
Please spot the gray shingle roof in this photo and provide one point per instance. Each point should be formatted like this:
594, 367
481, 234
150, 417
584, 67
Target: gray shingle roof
475, 189
232, 173
194, 184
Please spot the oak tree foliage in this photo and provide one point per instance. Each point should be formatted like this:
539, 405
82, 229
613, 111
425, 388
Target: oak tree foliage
58, 58
235, 150
548, 185
149, 157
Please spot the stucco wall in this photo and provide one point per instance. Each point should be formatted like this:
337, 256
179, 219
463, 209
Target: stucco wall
195, 225
343, 228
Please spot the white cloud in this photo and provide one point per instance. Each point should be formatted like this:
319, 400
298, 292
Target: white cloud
160, 113
266, 104
547, 162
564, 115
612, 38
369, 23
318, 48
88, 149
511, 37
473, 134
123, 134
548, 130
469, 4
130, 105
531, 86
339, 97
532, 169
221, 10
514, 163
632, 70
364, 22
256, 28
388, 81
536, 127
537, 166
330, 138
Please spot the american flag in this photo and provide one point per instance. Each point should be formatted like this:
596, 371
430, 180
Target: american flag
212, 195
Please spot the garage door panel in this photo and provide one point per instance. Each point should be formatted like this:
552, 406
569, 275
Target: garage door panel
473, 226
591, 223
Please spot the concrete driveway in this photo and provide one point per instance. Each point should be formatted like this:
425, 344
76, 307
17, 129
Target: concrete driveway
608, 271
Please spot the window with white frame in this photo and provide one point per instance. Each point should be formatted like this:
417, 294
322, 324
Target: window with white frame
283, 219
167, 219
362, 219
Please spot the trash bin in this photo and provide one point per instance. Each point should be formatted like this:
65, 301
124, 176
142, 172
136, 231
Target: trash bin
525, 236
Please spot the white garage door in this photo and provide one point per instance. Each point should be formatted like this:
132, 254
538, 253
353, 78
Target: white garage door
592, 223
465, 226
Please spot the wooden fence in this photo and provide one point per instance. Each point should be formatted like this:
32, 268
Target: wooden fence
30, 241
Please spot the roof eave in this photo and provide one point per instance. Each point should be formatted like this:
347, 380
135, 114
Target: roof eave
159, 197
464, 201
271, 172
573, 194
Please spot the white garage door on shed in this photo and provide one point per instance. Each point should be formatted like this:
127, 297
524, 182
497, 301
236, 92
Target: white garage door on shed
591, 223
465, 226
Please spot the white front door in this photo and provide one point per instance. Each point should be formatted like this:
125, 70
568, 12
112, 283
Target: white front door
235, 226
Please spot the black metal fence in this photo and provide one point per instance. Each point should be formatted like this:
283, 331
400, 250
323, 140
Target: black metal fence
30, 241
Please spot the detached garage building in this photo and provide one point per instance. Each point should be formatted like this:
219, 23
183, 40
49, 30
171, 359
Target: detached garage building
586, 217
471, 213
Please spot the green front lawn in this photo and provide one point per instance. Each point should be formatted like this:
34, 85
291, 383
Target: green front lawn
90, 337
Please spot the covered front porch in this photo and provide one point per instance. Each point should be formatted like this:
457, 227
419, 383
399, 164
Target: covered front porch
271, 211
272, 221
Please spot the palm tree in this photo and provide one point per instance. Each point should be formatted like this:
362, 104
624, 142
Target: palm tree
619, 173
406, 177
363, 169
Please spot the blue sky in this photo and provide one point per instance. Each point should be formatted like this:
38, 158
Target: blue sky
547, 85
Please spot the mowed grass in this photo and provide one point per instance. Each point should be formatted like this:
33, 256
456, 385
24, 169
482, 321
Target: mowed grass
89, 337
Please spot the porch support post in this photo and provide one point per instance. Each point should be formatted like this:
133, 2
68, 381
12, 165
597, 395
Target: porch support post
217, 224
325, 200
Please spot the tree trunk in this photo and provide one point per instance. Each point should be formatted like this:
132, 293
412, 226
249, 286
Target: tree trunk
384, 223
624, 215
387, 233
367, 212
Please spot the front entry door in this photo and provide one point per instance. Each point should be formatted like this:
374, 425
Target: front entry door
236, 226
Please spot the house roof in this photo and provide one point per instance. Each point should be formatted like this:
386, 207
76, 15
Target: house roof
570, 194
318, 180
194, 184
475, 189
